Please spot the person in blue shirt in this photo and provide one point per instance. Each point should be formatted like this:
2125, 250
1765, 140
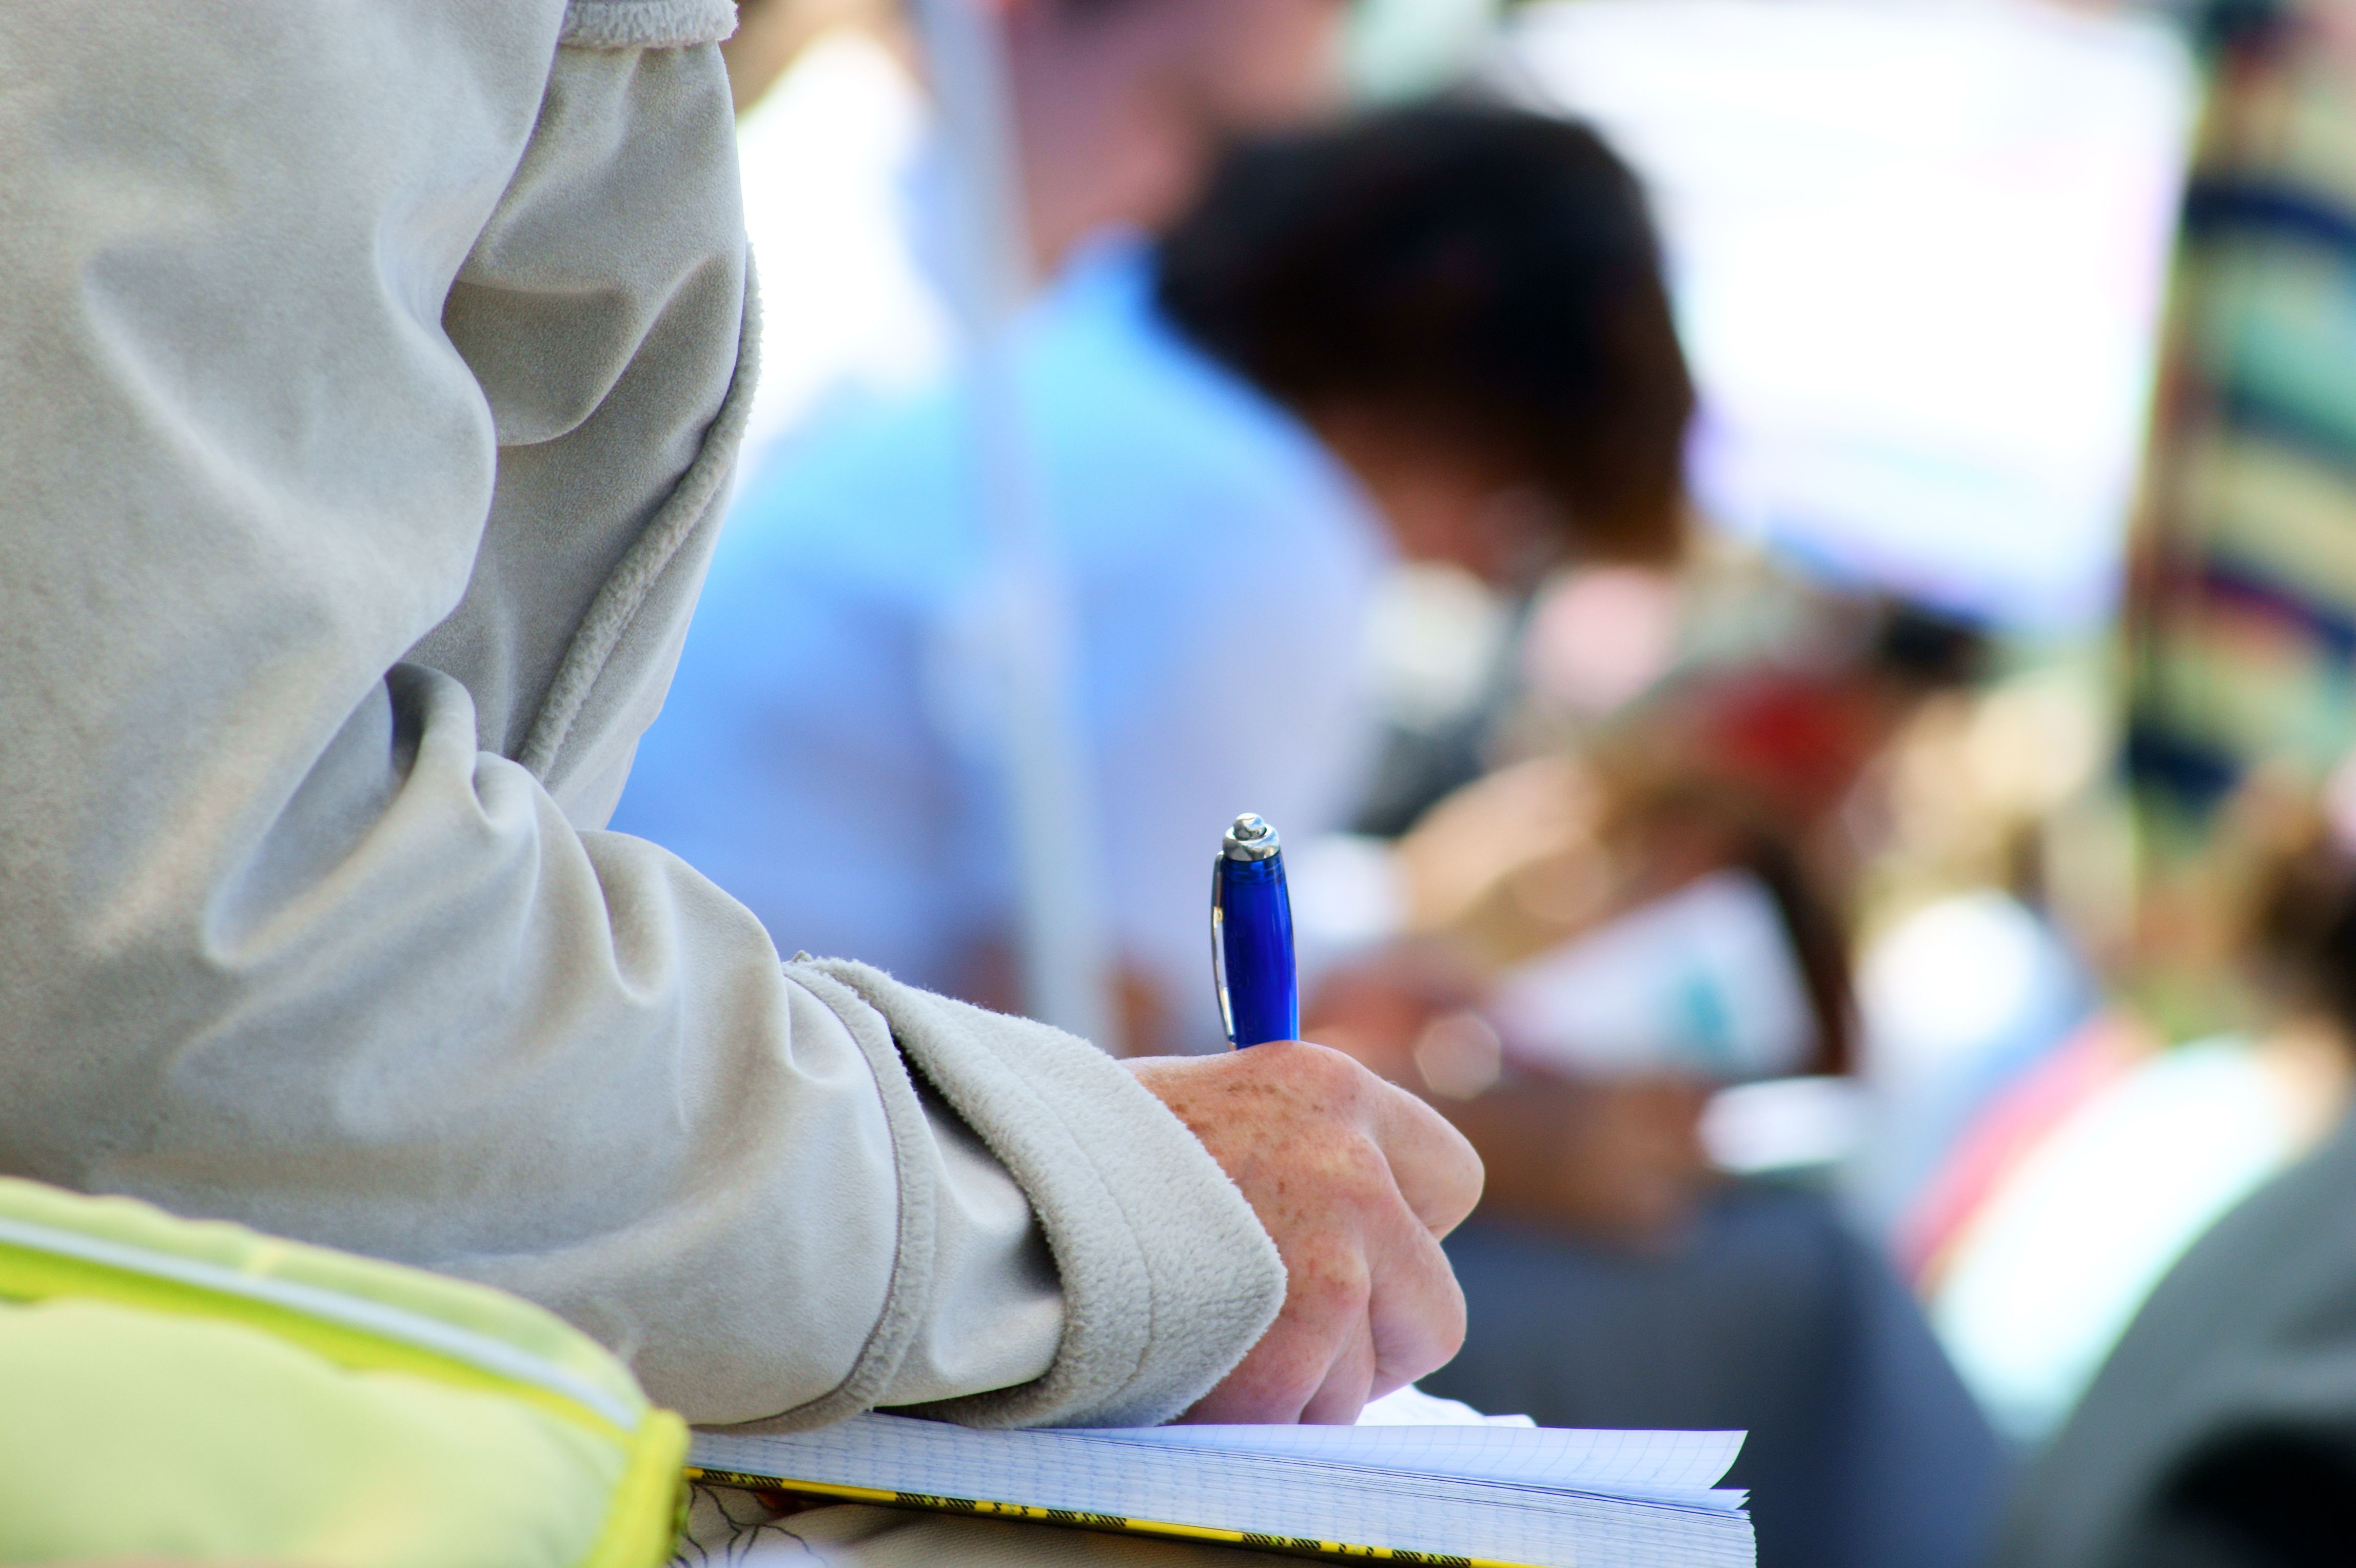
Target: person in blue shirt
1439, 333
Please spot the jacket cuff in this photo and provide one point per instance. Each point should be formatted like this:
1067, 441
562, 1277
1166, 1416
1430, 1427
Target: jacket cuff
646, 24
1168, 1278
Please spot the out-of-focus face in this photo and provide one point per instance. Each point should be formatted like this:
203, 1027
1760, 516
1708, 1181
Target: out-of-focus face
1125, 105
1256, 65
1444, 498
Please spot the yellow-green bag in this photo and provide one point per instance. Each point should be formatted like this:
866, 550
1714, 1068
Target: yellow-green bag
195, 1392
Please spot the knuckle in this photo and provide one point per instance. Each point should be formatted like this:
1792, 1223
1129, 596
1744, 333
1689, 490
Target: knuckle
1352, 1174
1464, 1177
1426, 1326
1333, 1078
1336, 1293
1365, 1169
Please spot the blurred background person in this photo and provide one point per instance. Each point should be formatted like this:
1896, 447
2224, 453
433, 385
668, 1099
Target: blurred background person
2221, 1431
2241, 617
1439, 333
1120, 107
1602, 939
2222, 1428
2179, 1059
2085, 1177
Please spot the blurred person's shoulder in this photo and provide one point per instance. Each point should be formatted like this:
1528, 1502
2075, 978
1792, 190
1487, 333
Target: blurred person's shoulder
868, 487
1141, 420
2241, 1366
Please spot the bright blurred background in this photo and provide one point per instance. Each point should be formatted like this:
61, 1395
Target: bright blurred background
1870, 948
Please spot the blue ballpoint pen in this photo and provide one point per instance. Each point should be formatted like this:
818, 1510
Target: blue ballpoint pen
1251, 937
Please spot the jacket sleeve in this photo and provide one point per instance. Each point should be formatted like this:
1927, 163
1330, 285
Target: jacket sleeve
302, 917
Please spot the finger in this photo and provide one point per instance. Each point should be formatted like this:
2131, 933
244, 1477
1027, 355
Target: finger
1435, 1167
1325, 1307
1415, 1307
1343, 1394
1268, 1390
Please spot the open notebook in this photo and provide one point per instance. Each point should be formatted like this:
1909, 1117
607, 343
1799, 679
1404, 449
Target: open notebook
1479, 1494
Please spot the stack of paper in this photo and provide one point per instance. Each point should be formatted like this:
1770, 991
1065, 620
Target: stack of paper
1542, 1496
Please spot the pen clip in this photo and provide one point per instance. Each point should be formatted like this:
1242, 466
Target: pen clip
1219, 944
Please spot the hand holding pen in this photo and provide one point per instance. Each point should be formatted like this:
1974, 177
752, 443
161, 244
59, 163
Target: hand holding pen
1353, 1179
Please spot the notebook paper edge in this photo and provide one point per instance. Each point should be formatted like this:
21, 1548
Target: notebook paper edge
1605, 1476
1078, 1520
1668, 1494
1514, 1526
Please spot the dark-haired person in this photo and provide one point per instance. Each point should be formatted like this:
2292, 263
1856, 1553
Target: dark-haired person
1439, 333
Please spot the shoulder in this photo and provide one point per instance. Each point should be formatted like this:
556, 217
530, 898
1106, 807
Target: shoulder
1147, 437
864, 487
2247, 1341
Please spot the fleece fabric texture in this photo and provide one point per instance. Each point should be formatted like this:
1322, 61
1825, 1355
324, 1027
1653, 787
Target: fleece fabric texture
1052, 1106
373, 371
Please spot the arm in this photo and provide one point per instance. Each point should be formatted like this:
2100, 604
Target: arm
355, 353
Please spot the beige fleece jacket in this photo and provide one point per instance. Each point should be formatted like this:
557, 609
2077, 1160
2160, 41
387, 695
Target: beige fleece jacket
369, 371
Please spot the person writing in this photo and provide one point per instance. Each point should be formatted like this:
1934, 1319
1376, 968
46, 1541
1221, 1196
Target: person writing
372, 373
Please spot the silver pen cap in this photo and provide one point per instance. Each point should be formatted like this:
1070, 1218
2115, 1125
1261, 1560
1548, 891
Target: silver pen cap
1250, 838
